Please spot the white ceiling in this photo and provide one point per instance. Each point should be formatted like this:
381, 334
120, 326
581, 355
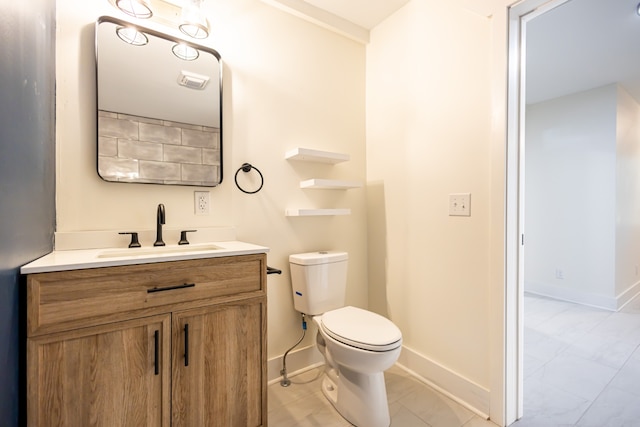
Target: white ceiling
365, 13
583, 44
351, 18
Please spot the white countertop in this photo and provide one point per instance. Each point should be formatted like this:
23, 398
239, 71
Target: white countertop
94, 258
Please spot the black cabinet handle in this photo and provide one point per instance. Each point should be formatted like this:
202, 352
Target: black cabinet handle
171, 288
186, 344
156, 352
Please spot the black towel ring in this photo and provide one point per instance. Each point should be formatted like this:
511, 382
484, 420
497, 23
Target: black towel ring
246, 167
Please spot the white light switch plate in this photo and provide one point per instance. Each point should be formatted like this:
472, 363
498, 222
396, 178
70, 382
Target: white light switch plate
460, 204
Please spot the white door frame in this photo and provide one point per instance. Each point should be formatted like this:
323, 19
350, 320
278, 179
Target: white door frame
519, 15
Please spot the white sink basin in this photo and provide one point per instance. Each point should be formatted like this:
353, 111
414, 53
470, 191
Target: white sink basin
158, 250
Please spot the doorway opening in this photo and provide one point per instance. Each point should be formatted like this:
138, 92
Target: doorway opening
579, 336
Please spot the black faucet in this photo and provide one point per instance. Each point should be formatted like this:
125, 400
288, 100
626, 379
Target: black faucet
159, 223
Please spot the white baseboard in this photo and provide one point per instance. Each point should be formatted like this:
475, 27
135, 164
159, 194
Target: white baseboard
599, 301
453, 385
593, 300
629, 294
298, 361
465, 392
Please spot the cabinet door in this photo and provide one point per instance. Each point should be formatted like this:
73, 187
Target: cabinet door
219, 365
111, 375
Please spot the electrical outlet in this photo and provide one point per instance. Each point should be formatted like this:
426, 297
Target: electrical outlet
460, 204
559, 274
202, 202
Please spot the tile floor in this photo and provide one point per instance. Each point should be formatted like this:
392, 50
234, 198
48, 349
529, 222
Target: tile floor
411, 404
581, 367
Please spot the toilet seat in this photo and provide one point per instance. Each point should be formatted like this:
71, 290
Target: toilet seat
361, 329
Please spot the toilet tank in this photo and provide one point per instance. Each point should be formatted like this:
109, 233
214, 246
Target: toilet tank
319, 281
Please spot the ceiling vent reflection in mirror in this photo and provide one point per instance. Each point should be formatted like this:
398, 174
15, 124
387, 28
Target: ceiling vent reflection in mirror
192, 80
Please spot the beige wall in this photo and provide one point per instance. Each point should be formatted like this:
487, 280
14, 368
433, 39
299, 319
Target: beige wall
428, 135
288, 83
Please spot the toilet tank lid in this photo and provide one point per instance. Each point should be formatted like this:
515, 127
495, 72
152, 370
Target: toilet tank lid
320, 257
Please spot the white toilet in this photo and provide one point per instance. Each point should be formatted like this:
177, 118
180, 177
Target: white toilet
358, 345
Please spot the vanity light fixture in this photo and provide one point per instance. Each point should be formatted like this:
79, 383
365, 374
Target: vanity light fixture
137, 8
193, 23
186, 13
184, 52
132, 36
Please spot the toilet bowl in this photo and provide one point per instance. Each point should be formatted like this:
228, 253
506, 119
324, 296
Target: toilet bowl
359, 339
358, 345
354, 379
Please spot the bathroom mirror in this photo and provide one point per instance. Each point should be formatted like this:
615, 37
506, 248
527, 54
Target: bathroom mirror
159, 102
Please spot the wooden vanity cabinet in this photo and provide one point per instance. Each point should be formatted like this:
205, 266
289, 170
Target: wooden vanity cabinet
101, 376
217, 380
180, 343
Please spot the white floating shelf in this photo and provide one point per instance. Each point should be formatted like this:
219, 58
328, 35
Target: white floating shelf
329, 184
317, 212
309, 155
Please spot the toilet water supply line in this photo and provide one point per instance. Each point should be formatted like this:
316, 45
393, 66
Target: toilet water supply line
285, 382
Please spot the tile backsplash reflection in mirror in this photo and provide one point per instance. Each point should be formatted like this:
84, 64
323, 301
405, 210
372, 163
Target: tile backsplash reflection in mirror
144, 150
